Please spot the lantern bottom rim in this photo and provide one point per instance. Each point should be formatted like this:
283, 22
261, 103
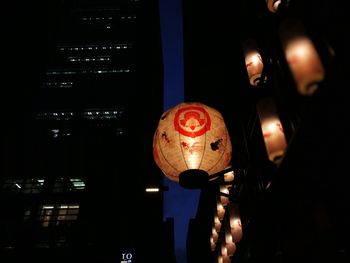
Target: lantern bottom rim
193, 178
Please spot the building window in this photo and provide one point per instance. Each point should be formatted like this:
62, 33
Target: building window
25, 186
119, 131
27, 214
96, 18
57, 84
128, 17
89, 59
59, 133
120, 46
102, 114
58, 214
87, 71
69, 185
55, 115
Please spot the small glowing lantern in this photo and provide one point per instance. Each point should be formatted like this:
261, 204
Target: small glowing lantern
225, 188
220, 209
229, 176
217, 223
224, 257
224, 194
273, 5
214, 234
229, 243
302, 57
253, 61
235, 223
274, 138
191, 143
212, 243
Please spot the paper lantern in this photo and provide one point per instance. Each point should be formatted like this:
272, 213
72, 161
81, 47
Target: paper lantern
224, 257
273, 5
272, 130
302, 57
229, 243
191, 142
214, 234
229, 176
253, 61
235, 223
220, 209
217, 223
224, 192
212, 244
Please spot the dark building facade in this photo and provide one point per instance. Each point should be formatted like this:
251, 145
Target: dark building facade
76, 159
292, 209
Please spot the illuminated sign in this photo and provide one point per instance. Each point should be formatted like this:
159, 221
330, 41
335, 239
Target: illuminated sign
126, 258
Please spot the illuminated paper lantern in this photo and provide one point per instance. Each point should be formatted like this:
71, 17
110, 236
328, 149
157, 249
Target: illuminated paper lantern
253, 61
225, 188
224, 192
235, 223
272, 130
214, 234
191, 142
302, 57
229, 243
273, 5
220, 209
217, 222
224, 257
229, 176
212, 243
215, 229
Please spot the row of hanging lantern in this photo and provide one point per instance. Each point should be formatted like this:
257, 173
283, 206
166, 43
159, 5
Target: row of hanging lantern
300, 53
305, 67
226, 226
271, 126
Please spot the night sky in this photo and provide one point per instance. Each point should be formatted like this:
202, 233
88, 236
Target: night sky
179, 203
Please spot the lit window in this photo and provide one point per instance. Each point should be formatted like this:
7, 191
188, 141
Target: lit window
99, 114
88, 59
57, 84
25, 186
87, 71
119, 132
95, 47
58, 133
128, 17
69, 185
55, 116
27, 215
58, 214
77, 183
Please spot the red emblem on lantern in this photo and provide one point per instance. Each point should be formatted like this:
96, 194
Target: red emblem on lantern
192, 121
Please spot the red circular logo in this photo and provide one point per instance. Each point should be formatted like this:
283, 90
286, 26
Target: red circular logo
192, 121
